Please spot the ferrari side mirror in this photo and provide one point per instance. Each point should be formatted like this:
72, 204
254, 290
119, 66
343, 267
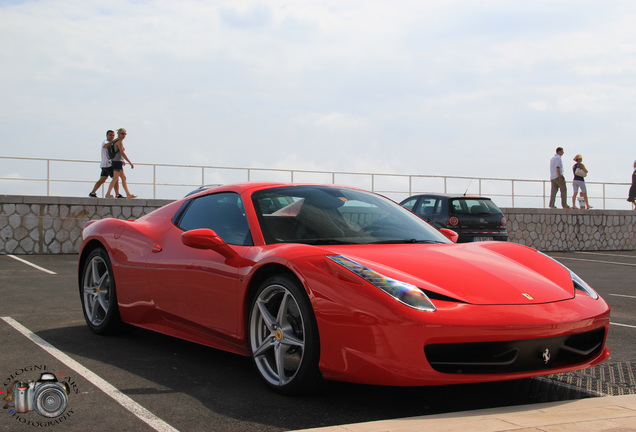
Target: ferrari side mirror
205, 238
450, 234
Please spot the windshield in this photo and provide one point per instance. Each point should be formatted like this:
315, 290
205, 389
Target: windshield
334, 215
478, 206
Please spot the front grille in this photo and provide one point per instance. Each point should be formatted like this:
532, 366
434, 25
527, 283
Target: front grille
515, 356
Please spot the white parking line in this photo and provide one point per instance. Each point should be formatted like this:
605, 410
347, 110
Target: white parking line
607, 254
31, 264
623, 325
596, 261
142, 413
623, 295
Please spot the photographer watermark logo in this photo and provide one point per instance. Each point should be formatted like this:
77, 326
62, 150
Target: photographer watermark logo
46, 393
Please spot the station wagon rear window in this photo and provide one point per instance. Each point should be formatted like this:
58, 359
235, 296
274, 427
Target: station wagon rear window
475, 206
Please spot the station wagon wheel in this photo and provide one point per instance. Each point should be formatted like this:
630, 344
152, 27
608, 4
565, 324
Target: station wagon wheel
98, 295
284, 337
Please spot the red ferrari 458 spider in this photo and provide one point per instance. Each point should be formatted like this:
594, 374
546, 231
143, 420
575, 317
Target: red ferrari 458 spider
321, 282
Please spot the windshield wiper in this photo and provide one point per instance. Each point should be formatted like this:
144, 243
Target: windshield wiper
317, 242
405, 241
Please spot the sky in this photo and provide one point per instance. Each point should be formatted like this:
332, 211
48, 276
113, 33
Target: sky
456, 87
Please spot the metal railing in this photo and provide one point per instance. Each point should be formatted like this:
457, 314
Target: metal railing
61, 177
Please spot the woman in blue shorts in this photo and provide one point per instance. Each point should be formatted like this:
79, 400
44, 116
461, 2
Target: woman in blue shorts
579, 182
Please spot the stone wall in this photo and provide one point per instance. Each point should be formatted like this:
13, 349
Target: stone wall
570, 230
53, 225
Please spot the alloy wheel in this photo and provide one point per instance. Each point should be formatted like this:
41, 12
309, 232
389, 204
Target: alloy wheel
277, 335
96, 290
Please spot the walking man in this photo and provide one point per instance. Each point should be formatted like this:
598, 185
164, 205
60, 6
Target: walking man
106, 166
558, 180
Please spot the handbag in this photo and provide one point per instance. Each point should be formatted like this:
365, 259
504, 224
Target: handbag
579, 172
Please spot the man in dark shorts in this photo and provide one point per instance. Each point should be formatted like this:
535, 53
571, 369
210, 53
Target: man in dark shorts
107, 169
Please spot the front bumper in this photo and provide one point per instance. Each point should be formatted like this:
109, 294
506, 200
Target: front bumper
463, 344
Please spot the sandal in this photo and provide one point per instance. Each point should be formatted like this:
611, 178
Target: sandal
131, 196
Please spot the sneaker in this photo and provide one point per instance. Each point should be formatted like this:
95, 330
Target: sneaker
119, 196
92, 195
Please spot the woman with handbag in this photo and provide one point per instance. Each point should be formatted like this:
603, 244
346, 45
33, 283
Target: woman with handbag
118, 164
579, 181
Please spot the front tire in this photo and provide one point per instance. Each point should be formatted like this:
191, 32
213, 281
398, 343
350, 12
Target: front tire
99, 296
283, 336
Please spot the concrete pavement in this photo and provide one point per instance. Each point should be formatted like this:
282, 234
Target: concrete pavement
601, 414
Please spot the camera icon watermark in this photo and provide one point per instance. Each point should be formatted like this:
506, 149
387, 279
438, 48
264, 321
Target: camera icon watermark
47, 395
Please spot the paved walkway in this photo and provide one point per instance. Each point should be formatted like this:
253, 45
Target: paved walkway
601, 414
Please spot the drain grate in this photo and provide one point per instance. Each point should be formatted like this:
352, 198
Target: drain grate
609, 379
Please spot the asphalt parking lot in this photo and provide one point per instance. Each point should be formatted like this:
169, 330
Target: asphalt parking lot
147, 381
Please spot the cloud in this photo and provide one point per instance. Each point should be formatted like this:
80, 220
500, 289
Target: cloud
334, 122
405, 86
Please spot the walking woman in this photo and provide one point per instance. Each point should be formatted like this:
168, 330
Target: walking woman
632, 190
118, 165
579, 181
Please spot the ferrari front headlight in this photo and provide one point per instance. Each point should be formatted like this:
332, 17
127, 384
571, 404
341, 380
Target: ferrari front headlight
579, 284
404, 292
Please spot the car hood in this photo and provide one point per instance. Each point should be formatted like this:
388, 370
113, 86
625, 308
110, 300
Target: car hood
476, 273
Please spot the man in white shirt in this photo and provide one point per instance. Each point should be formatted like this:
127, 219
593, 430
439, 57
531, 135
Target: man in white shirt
105, 165
557, 179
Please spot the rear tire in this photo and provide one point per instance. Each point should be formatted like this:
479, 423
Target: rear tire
283, 336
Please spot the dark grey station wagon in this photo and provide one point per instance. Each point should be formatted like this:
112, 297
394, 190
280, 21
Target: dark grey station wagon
474, 218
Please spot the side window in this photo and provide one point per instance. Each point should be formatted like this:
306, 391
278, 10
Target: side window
458, 206
438, 206
429, 206
223, 213
410, 203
